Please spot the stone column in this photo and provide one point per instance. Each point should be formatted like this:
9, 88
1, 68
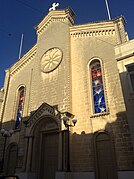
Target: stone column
60, 153
29, 153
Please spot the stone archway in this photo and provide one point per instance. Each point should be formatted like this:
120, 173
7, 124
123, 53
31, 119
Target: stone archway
11, 159
42, 142
45, 148
104, 156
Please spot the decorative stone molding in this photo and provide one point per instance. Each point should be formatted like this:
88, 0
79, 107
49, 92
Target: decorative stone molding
99, 115
23, 61
44, 109
53, 16
120, 30
51, 59
104, 28
100, 59
92, 33
1, 94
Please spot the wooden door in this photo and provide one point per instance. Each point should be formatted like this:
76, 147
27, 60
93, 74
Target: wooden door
49, 156
11, 159
105, 159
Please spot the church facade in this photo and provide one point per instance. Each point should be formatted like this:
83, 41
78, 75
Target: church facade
73, 71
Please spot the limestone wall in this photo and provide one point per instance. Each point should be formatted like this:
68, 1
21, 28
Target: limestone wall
125, 55
1, 97
86, 45
69, 86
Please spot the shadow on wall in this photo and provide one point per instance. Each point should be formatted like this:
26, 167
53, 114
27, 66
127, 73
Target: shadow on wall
129, 99
10, 156
106, 151
109, 150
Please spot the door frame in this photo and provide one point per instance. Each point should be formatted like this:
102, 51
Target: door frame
112, 151
8, 155
48, 132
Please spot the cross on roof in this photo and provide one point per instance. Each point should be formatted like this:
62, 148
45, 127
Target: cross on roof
54, 5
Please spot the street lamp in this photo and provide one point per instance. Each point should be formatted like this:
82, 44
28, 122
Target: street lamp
68, 122
5, 134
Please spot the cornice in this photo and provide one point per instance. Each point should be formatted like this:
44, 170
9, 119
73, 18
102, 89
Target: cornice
124, 50
93, 33
21, 63
119, 58
103, 28
120, 18
55, 16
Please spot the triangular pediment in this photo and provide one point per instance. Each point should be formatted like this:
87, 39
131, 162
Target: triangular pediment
55, 15
44, 110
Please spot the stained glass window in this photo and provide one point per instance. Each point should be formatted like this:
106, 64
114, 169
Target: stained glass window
99, 102
19, 107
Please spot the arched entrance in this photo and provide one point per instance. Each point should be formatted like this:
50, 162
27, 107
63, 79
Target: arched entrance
104, 156
11, 159
44, 160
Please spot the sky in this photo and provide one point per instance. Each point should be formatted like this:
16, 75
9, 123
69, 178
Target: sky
19, 17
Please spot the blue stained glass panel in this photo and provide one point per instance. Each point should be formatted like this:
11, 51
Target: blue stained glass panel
20, 107
97, 88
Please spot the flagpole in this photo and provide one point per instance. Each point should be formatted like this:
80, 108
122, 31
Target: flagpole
108, 11
21, 46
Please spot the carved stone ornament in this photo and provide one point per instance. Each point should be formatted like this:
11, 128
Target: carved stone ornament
51, 60
44, 110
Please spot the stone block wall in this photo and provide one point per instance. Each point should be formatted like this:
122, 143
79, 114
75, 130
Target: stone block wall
85, 47
69, 87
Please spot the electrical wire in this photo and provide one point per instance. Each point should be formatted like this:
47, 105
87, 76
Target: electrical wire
25, 4
9, 34
37, 10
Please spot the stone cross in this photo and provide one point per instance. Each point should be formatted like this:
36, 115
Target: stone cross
54, 5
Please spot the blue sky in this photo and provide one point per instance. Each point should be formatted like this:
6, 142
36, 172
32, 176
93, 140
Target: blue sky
21, 16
